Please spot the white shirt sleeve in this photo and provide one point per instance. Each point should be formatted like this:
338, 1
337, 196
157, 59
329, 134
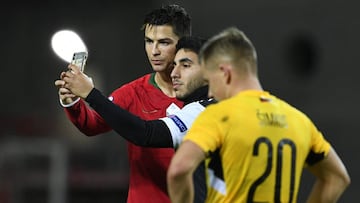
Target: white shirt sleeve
71, 104
179, 122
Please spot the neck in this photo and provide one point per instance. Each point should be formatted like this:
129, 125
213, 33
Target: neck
163, 80
250, 83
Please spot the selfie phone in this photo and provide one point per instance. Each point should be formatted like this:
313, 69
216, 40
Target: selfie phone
79, 59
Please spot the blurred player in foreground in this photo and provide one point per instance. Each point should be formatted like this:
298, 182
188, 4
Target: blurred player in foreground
257, 143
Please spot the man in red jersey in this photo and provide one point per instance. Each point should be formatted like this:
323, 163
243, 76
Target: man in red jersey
147, 97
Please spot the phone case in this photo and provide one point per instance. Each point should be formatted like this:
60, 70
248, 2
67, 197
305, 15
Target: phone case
79, 59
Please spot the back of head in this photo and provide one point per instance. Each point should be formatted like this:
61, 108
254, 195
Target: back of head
232, 46
173, 15
191, 43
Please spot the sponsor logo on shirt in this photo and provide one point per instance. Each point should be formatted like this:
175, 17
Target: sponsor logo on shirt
178, 122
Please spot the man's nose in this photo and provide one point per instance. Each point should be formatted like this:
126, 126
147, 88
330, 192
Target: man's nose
175, 73
155, 49
210, 95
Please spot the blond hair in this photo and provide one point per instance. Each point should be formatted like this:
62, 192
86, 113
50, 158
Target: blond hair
232, 46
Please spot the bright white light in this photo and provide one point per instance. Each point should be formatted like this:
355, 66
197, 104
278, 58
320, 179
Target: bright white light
65, 43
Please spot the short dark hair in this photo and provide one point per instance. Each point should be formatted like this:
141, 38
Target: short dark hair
173, 15
192, 43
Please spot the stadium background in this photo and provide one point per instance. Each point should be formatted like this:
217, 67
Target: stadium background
307, 50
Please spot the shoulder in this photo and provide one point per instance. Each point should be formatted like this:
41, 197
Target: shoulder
294, 111
198, 106
138, 82
133, 85
194, 108
129, 90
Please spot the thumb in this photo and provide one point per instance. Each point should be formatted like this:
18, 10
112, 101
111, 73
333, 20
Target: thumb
74, 68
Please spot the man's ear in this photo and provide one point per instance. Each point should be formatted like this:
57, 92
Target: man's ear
226, 72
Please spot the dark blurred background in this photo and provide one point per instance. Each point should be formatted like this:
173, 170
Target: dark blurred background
307, 52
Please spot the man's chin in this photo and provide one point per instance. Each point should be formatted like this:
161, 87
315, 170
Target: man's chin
180, 96
158, 68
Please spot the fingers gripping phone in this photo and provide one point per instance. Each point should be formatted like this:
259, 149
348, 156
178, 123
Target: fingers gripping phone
79, 59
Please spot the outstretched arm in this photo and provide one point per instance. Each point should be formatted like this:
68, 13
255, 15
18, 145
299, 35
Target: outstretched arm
140, 132
152, 133
331, 179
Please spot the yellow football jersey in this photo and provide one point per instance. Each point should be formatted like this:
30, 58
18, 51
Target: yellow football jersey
257, 145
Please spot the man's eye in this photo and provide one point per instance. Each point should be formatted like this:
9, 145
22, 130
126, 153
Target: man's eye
165, 43
186, 65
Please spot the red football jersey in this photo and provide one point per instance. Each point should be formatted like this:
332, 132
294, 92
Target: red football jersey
148, 166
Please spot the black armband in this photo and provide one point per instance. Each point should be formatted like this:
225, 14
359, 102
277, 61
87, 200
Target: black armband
314, 158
